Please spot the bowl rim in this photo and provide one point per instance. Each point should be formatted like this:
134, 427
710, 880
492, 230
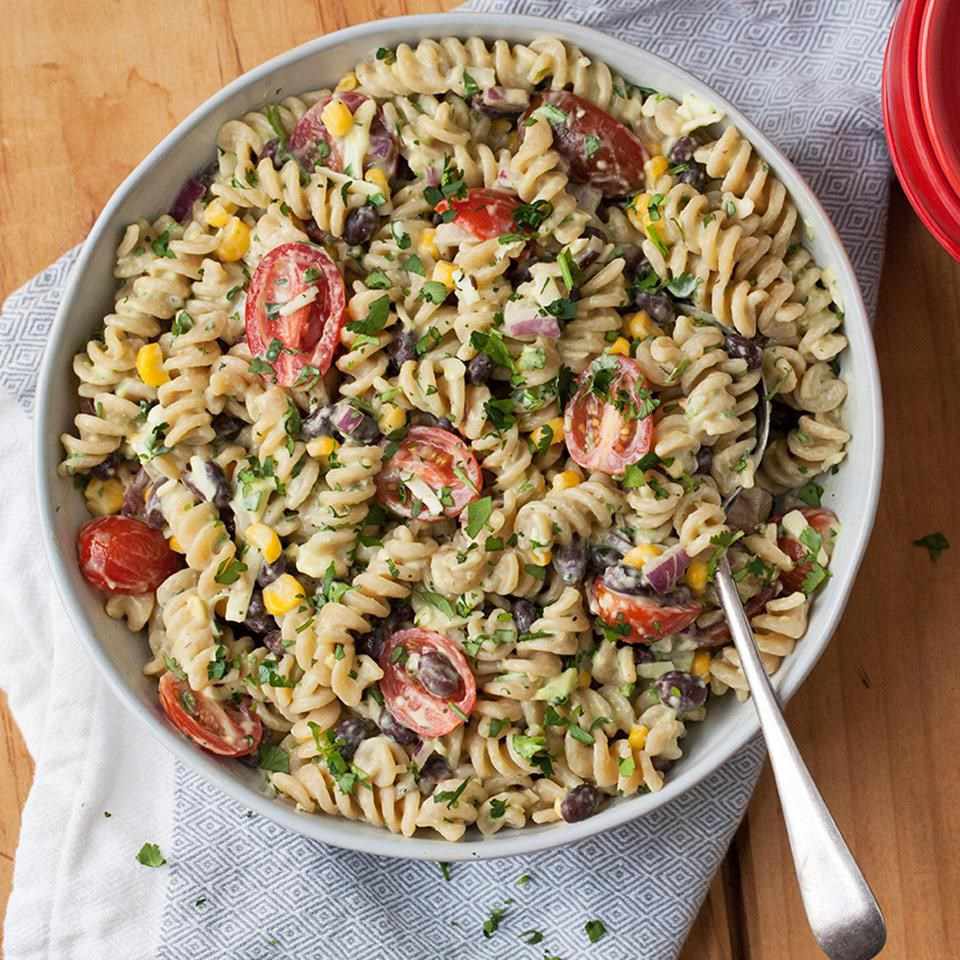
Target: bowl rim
379, 841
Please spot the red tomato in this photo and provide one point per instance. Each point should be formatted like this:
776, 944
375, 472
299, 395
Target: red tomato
598, 150
484, 213
433, 458
601, 426
221, 727
825, 523
647, 617
310, 132
307, 336
120, 555
719, 633
408, 700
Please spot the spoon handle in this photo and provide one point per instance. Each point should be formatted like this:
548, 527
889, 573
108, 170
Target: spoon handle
842, 910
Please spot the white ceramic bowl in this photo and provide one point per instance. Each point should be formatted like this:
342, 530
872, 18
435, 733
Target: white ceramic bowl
149, 190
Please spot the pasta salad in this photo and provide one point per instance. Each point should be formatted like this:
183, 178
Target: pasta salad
408, 437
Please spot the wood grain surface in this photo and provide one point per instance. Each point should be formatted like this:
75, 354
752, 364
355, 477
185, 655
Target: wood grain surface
86, 89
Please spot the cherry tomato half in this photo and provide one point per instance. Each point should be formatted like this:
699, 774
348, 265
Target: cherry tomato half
825, 523
407, 699
647, 618
308, 336
120, 555
221, 727
602, 425
310, 132
598, 150
432, 475
484, 213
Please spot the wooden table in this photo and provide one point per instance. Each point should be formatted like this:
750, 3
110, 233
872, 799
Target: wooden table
86, 89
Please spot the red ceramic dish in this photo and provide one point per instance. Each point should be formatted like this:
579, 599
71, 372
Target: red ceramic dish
939, 77
923, 180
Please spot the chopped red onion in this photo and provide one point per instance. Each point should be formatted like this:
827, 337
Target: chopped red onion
523, 319
346, 418
663, 572
191, 191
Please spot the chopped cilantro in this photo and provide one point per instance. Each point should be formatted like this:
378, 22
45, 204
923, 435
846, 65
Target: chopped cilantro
229, 571
530, 216
452, 797
444, 870
433, 291
811, 494
377, 280
161, 246
478, 513
683, 285
595, 930
413, 264
935, 544
272, 758
150, 856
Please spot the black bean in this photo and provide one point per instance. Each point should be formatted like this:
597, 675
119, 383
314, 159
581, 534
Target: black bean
642, 654
525, 615
682, 150
227, 426
273, 641
570, 561
581, 802
106, 468
682, 691
750, 508
222, 493
743, 348
134, 497
317, 423
360, 225
603, 556
402, 348
395, 730
432, 772
360, 425
438, 675
315, 233
498, 102
257, 619
353, 731
695, 176
658, 306
270, 571
371, 644
704, 459
401, 615
479, 369
783, 419
635, 260
592, 231
662, 764
152, 514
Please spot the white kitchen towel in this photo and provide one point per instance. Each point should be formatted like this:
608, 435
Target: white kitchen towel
237, 886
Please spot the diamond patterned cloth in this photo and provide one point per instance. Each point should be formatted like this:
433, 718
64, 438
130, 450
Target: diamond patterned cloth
808, 73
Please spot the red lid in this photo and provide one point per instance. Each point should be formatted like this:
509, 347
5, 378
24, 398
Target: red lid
939, 74
918, 169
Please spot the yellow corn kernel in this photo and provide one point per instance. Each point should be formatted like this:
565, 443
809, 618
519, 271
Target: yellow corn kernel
620, 346
379, 179
283, 595
104, 496
701, 664
234, 240
219, 212
391, 418
696, 576
566, 480
556, 432
265, 539
656, 167
640, 326
637, 212
541, 556
174, 545
443, 273
583, 679
337, 118
322, 446
427, 245
347, 82
637, 738
150, 365
641, 555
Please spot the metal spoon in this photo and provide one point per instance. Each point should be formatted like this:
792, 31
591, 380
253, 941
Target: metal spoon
841, 908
